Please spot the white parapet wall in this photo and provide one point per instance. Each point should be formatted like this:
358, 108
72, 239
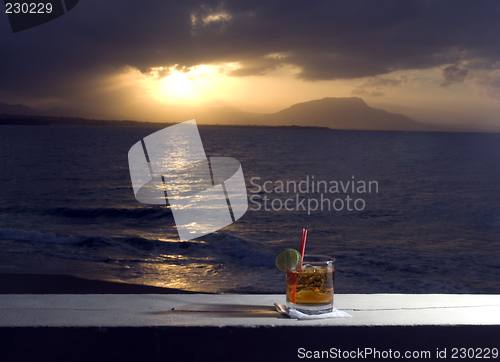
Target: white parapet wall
244, 327
136, 310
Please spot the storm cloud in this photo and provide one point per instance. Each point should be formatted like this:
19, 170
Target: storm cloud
324, 40
454, 73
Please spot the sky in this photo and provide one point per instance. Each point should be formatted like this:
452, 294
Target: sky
434, 61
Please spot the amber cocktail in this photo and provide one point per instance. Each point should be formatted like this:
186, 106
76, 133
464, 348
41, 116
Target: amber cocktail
309, 288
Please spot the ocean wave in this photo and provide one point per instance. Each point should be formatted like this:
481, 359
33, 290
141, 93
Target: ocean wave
149, 213
240, 250
136, 242
220, 246
36, 236
111, 213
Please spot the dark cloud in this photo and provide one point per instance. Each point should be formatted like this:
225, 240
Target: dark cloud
454, 73
383, 82
325, 39
373, 86
258, 66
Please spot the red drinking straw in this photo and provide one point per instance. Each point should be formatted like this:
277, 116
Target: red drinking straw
303, 246
293, 276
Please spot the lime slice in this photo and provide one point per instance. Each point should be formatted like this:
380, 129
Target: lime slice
288, 258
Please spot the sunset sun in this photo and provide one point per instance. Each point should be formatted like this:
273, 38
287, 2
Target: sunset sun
187, 87
182, 87
176, 85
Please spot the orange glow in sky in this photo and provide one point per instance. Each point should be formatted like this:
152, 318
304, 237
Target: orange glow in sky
415, 93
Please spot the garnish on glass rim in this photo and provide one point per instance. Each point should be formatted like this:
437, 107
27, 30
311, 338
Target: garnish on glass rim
288, 258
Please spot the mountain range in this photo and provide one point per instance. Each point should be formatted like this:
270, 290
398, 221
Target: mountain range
339, 113
336, 113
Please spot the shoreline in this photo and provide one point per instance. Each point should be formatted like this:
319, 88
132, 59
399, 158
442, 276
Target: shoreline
20, 120
15, 283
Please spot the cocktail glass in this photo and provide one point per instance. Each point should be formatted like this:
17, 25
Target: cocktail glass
309, 288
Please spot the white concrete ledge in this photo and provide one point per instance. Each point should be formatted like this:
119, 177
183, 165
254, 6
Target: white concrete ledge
198, 327
193, 310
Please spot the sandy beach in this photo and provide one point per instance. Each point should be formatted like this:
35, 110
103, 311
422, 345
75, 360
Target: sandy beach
67, 284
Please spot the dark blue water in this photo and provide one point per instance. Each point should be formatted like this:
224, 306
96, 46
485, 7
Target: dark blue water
430, 224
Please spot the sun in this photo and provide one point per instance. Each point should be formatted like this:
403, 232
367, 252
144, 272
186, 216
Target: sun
197, 85
180, 87
177, 85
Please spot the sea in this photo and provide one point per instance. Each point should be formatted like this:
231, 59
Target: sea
401, 212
